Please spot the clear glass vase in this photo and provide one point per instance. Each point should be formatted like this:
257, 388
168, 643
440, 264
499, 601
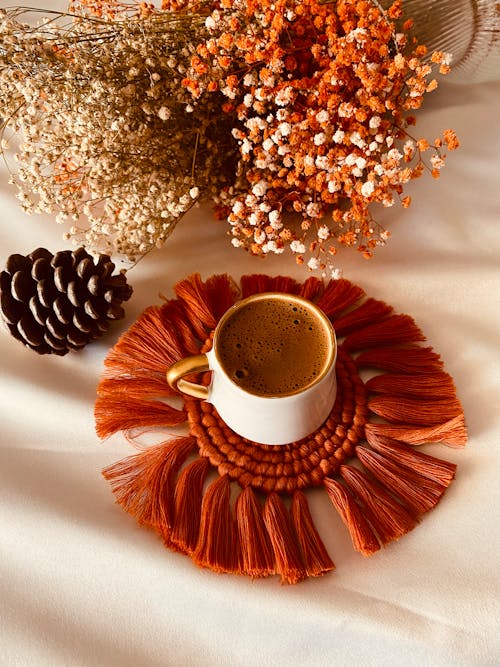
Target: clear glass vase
469, 29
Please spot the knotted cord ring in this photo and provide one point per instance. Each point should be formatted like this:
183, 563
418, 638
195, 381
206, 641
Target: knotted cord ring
298, 465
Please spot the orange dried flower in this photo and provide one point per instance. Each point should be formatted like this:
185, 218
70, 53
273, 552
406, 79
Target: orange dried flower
225, 40
422, 144
321, 95
451, 139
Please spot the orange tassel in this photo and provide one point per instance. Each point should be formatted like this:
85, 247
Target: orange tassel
314, 554
363, 538
441, 471
311, 288
146, 346
187, 504
435, 385
415, 411
192, 293
367, 313
257, 283
113, 414
419, 493
409, 359
254, 284
139, 387
284, 284
286, 550
143, 484
217, 546
452, 432
222, 293
173, 319
339, 295
389, 519
394, 330
257, 553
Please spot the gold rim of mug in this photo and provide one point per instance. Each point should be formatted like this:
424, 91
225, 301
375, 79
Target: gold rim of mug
282, 296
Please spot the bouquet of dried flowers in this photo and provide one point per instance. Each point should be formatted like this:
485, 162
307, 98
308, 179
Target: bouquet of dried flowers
111, 140
294, 117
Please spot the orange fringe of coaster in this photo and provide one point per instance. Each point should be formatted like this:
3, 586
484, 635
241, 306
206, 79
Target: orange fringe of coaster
365, 457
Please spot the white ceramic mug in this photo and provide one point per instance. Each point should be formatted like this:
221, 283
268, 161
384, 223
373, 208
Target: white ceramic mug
273, 368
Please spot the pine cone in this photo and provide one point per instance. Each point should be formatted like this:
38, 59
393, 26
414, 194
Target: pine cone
57, 303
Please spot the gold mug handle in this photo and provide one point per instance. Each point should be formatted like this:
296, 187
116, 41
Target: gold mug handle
194, 364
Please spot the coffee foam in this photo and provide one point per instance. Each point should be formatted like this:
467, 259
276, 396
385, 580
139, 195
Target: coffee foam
274, 346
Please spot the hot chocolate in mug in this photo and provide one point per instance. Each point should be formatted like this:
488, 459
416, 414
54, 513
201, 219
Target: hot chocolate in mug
273, 368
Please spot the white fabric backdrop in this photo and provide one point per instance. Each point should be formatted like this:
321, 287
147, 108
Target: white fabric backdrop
82, 585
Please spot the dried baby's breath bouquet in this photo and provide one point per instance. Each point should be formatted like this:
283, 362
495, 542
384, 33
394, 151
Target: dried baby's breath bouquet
294, 117
110, 139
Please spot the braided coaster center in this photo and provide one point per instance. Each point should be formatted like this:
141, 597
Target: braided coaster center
298, 465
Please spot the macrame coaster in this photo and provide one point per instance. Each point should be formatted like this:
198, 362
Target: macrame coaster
250, 515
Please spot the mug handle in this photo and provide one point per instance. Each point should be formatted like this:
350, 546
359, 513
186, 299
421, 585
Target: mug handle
194, 364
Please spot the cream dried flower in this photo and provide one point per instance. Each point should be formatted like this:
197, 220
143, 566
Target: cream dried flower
108, 138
